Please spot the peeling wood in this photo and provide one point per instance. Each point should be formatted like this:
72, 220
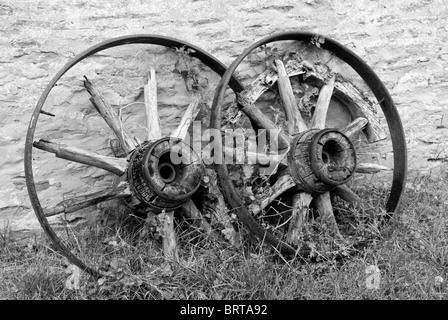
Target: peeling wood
354, 127
262, 121
301, 203
84, 201
323, 102
370, 168
169, 238
190, 210
127, 140
293, 116
284, 183
267, 79
346, 92
151, 111
63, 151
325, 209
355, 101
189, 115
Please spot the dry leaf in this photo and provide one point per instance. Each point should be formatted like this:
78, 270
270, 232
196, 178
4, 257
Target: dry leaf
166, 269
72, 282
101, 281
117, 264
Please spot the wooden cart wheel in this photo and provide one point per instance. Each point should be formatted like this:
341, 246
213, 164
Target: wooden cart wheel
318, 158
145, 173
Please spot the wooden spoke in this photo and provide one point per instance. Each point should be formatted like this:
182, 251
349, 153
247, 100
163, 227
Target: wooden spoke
262, 121
169, 241
262, 159
263, 82
296, 124
301, 202
188, 117
325, 209
293, 116
353, 128
63, 151
358, 105
323, 102
220, 211
268, 159
152, 113
370, 168
346, 194
87, 200
127, 140
284, 183
190, 210
322, 202
169, 238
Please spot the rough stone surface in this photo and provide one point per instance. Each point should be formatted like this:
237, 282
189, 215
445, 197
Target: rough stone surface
405, 42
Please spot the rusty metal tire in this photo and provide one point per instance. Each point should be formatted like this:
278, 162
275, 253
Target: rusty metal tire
234, 199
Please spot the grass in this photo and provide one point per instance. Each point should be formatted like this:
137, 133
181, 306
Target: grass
411, 253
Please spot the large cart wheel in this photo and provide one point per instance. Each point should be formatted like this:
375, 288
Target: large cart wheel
316, 96
149, 171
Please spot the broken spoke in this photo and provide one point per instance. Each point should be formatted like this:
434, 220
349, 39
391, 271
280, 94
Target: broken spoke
87, 200
284, 183
346, 194
127, 140
325, 209
354, 127
301, 202
267, 79
188, 117
359, 106
192, 212
370, 168
262, 121
63, 151
169, 238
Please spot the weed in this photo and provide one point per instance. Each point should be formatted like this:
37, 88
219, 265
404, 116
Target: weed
410, 253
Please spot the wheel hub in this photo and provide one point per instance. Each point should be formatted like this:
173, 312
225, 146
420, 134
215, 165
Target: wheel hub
164, 173
320, 160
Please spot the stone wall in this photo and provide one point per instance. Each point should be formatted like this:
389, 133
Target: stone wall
405, 42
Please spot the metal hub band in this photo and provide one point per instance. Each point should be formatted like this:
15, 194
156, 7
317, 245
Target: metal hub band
320, 160
164, 173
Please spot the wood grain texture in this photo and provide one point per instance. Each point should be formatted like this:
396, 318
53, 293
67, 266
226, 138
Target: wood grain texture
63, 151
127, 140
295, 121
84, 201
151, 111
